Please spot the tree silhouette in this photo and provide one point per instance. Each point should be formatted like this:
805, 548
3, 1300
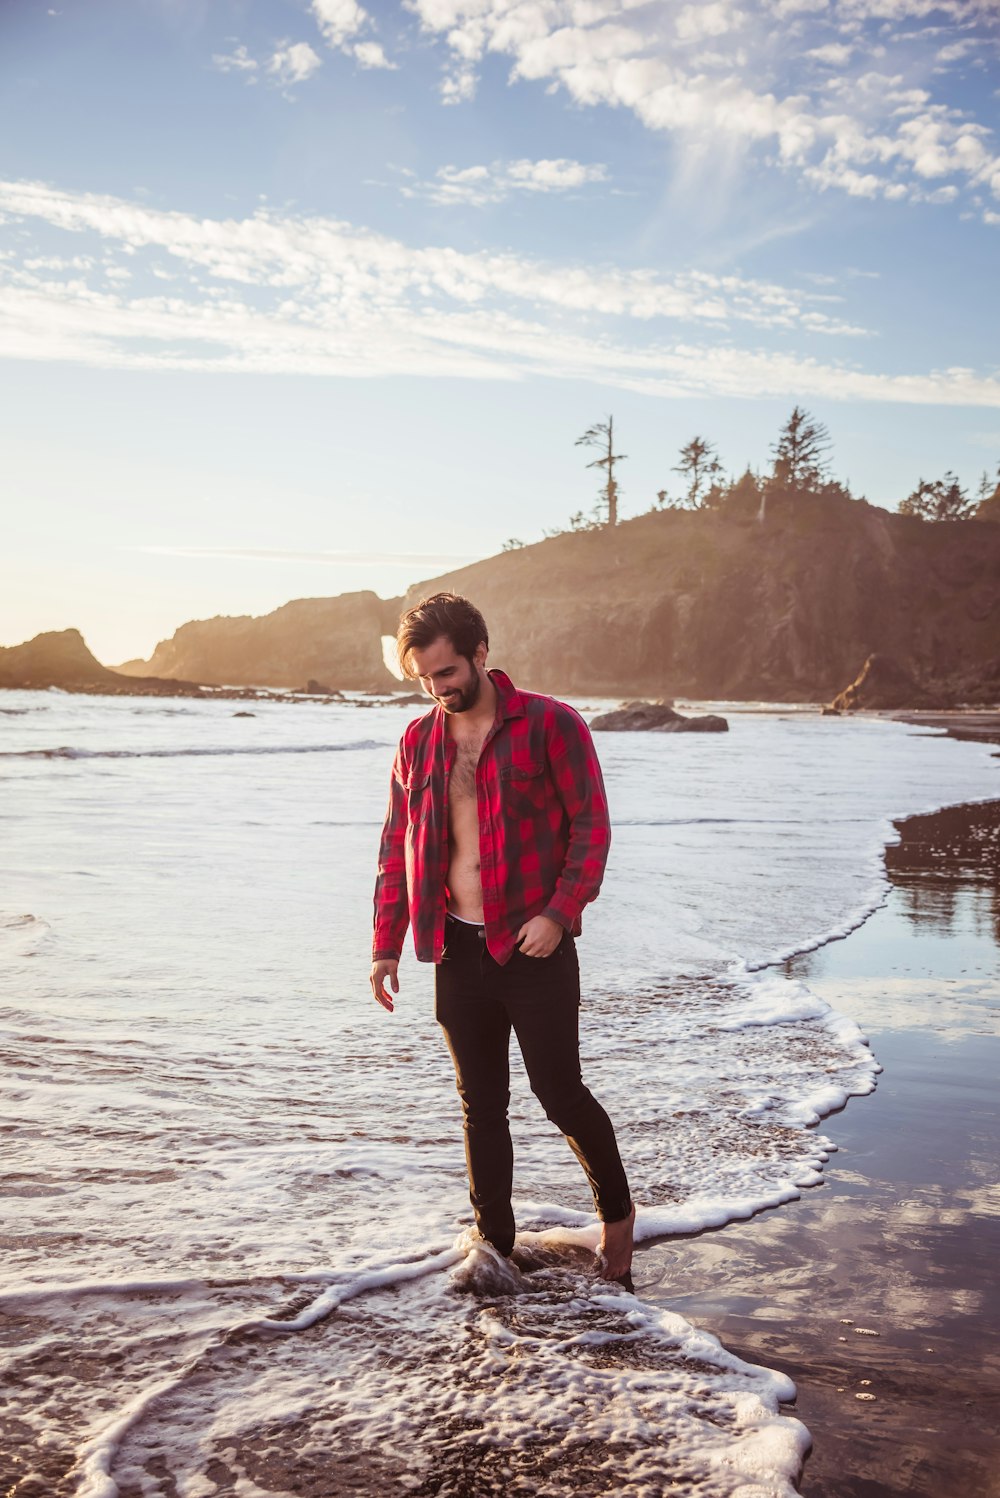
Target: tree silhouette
988, 496
800, 462
942, 499
701, 467
601, 435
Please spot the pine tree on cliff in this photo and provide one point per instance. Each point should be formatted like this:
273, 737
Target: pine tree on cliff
988, 496
942, 499
601, 435
699, 464
800, 463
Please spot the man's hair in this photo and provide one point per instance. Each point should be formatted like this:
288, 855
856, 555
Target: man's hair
441, 614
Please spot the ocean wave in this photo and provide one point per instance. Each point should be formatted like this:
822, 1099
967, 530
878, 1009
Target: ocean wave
490, 1366
66, 751
21, 934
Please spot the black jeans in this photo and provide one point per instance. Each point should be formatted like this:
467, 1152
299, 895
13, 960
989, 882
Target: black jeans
477, 1002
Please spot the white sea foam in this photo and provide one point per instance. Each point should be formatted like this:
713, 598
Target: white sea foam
20, 934
66, 751
206, 1114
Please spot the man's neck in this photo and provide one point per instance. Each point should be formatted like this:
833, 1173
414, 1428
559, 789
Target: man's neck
478, 719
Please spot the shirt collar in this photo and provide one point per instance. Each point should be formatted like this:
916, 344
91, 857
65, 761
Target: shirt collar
510, 704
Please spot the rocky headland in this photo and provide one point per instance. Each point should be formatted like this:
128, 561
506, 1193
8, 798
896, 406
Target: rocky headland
722, 605
822, 597
61, 658
330, 644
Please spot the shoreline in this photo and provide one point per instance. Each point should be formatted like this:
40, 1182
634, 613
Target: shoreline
977, 724
874, 1291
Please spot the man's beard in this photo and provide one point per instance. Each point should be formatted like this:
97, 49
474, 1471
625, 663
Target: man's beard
464, 698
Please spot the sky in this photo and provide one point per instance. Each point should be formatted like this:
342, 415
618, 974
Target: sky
300, 297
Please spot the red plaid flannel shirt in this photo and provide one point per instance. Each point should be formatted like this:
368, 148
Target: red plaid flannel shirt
544, 830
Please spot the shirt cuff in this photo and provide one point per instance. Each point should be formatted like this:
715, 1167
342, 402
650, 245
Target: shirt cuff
563, 911
382, 954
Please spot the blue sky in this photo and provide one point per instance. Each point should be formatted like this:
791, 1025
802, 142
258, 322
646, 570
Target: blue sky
298, 298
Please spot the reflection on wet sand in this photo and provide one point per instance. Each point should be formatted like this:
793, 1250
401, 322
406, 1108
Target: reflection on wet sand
903, 1237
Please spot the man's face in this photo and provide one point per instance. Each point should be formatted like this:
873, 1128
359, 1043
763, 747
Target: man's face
449, 678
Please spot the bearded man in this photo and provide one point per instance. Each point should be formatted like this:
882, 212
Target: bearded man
496, 836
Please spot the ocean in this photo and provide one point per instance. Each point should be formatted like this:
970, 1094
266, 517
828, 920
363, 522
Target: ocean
235, 1215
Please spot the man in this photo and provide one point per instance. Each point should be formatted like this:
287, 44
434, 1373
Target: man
496, 836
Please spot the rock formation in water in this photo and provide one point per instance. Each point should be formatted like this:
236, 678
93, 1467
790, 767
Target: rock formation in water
336, 641
656, 717
710, 604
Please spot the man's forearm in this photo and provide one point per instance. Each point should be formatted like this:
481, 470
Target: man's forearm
576, 774
391, 897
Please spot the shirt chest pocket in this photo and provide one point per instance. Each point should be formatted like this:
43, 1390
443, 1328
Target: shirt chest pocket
524, 790
418, 797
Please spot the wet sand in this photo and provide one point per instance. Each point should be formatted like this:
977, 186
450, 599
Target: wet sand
983, 725
877, 1291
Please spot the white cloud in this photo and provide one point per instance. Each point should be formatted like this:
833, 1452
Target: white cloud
339, 20
459, 86
714, 18
757, 86
371, 55
341, 23
477, 186
955, 51
315, 296
837, 54
294, 62
237, 61
289, 63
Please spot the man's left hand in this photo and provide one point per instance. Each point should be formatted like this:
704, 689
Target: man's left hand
539, 937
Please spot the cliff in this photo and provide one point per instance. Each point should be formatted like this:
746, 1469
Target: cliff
717, 604
60, 658
335, 642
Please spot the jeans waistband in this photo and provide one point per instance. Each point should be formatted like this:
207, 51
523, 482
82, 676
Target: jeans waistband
457, 926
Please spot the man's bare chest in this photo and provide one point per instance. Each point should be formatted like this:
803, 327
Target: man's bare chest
462, 780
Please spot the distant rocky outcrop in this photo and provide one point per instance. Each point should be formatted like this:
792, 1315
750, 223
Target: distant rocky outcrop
336, 641
717, 604
655, 717
883, 685
60, 658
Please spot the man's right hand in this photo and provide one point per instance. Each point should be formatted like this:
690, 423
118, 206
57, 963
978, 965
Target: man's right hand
386, 968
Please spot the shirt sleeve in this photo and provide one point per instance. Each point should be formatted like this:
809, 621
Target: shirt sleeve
391, 900
576, 773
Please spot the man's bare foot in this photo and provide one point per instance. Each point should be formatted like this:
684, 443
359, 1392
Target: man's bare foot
616, 1250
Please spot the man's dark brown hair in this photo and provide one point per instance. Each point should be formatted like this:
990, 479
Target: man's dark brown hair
441, 614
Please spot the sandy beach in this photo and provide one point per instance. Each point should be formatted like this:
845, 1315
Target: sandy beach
877, 1290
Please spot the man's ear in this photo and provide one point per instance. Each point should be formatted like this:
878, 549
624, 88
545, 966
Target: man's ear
481, 652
